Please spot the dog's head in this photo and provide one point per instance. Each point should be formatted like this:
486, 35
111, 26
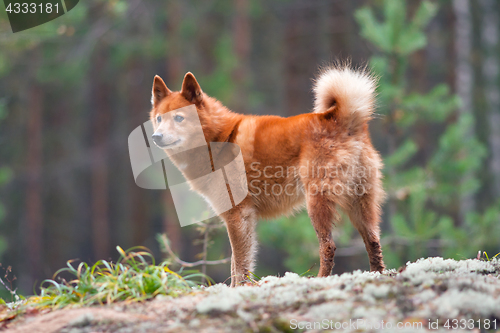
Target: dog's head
173, 127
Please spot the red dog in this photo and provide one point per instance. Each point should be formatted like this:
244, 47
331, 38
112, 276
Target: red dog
322, 159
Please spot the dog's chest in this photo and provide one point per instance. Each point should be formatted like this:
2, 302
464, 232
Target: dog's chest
276, 196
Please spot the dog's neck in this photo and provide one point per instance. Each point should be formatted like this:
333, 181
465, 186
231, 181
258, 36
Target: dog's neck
218, 122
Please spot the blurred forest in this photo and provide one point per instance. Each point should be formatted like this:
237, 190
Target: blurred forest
73, 89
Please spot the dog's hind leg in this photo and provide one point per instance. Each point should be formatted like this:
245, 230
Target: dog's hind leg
322, 212
240, 222
365, 216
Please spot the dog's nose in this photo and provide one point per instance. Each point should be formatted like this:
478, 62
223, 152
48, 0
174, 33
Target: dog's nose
157, 137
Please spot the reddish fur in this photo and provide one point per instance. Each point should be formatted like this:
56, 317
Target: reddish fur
307, 141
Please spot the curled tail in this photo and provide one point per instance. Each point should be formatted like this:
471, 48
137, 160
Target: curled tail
346, 95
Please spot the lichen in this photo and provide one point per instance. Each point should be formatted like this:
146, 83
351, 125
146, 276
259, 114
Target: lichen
428, 288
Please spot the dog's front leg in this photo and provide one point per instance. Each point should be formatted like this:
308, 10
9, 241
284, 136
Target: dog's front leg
240, 222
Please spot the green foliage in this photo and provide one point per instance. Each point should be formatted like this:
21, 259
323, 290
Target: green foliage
395, 34
132, 278
424, 194
219, 83
454, 160
296, 237
480, 233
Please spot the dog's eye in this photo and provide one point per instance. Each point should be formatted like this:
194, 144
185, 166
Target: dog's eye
178, 118
158, 119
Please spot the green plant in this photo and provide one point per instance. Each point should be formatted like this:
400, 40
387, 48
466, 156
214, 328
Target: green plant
131, 278
487, 258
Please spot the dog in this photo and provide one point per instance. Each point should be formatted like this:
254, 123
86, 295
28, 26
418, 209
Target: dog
323, 160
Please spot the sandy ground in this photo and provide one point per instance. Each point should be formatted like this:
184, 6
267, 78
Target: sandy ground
437, 294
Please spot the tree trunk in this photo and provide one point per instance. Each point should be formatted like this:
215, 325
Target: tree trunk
34, 214
490, 40
464, 79
301, 56
241, 42
99, 166
138, 198
175, 68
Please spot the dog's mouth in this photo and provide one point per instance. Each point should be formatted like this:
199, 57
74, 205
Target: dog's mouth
163, 146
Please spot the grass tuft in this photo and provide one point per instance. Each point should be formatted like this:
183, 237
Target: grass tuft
486, 258
134, 277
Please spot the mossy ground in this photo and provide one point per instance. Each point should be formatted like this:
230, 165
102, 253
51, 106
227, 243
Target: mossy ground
430, 289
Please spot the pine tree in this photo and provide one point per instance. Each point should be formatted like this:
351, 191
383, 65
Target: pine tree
425, 190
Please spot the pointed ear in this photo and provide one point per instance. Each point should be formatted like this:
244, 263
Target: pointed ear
160, 91
191, 90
